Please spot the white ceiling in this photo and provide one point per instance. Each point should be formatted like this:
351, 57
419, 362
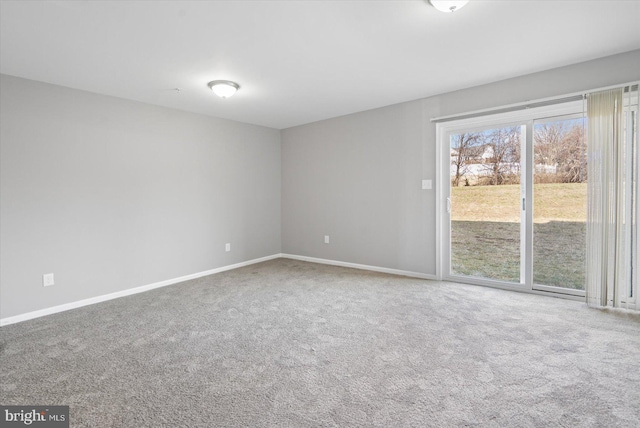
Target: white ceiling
301, 61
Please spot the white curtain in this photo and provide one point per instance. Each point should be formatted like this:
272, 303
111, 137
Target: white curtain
611, 185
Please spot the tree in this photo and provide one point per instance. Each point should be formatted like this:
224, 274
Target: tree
461, 145
502, 146
561, 147
572, 156
547, 139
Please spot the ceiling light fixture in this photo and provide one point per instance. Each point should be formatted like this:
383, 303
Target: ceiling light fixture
223, 88
448, 6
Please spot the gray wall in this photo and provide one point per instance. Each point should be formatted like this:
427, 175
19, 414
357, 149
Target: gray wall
110, 194
357, 178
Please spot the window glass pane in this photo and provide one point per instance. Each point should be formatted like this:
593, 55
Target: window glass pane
559, 202
485, 203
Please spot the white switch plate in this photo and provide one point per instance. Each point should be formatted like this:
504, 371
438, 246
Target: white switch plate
427, 185
227, 247
326, 239
47, 279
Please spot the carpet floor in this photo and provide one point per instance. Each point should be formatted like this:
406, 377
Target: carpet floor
293, 344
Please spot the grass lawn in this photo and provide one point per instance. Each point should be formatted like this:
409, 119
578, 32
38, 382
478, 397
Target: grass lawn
485, 233
556, 201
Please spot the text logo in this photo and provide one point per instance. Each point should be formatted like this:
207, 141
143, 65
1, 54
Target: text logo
34, 416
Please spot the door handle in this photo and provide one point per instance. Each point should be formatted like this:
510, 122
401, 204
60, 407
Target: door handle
523, 205
449, 205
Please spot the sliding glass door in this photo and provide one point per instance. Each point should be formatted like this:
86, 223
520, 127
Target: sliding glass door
515, 195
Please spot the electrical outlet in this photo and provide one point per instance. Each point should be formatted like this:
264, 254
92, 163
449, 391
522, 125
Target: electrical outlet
326, 239
47, 279
227, 247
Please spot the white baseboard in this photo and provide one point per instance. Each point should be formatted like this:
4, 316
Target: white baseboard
128, 292
359, 266
143, 288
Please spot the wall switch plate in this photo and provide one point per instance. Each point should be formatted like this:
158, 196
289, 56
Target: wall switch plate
326, 239
427, 184
47, 279
227, 247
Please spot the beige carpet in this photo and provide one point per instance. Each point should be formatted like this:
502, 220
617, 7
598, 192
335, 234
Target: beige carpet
293, 344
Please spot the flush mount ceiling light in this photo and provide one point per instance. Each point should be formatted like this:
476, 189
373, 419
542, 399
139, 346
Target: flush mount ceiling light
448, 6
223, 88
